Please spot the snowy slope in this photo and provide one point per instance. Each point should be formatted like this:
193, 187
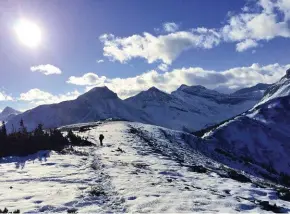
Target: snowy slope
97, 104
47, 183
168, 111
279, 89
141, 168
190, 107
262, 134
8, 113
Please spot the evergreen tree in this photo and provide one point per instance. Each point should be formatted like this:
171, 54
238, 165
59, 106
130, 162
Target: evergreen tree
3, 130
21, 123
39, 130
23, 129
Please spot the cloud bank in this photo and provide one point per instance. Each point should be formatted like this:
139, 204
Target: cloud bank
36, 96
225, 81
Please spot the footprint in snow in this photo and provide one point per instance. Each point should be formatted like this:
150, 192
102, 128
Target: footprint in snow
171, 173
48, 164
131, 198
227, 191
28, 197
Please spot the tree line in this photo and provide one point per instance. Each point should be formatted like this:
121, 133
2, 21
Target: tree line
21, 142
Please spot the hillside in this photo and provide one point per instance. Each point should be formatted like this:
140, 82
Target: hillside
260, 135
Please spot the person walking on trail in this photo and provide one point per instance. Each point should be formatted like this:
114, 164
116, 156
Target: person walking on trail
101, 138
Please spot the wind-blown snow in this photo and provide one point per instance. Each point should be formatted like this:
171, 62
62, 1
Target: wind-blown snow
279, 89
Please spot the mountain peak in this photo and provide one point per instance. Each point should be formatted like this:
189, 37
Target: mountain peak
8, 113
100, 93
153, 89
8, 110
288, 73
153, 92
182, 87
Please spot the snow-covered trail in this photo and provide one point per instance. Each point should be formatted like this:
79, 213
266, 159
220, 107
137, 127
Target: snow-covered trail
51, 182
140, 168
150, 181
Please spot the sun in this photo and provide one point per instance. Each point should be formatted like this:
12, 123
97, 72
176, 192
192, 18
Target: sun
28, 33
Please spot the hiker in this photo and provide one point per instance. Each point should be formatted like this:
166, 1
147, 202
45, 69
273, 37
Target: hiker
101, 138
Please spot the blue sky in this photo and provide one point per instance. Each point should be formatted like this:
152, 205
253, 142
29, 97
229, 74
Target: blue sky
132, 45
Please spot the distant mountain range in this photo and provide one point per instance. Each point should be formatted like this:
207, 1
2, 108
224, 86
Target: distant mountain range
97, 104
8, 113
188, 108
193, 107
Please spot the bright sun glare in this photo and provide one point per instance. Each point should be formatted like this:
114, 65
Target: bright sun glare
28, 33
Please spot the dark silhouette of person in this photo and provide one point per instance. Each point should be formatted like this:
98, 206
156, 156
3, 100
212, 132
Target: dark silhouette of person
101, 138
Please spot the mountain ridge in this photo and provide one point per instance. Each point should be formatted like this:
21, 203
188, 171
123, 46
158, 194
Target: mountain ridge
188, 108
97, 104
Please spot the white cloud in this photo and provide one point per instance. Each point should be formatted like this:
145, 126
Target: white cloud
38, 97
100, 61
227, 80
170, 27
261, 26
5, 97
46, 69
284, 5
165, 48
254, 24
87, 79
163, 67
258, 26
245, 45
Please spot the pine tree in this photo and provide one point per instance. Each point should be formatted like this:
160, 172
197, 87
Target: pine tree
3, 130
23, 129
21, 123
39, 130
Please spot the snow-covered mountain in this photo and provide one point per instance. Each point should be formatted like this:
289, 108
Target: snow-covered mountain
8, 113
188, 108
191, 107
97, 104
255, 92
280, 89
261, 136
165, 109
